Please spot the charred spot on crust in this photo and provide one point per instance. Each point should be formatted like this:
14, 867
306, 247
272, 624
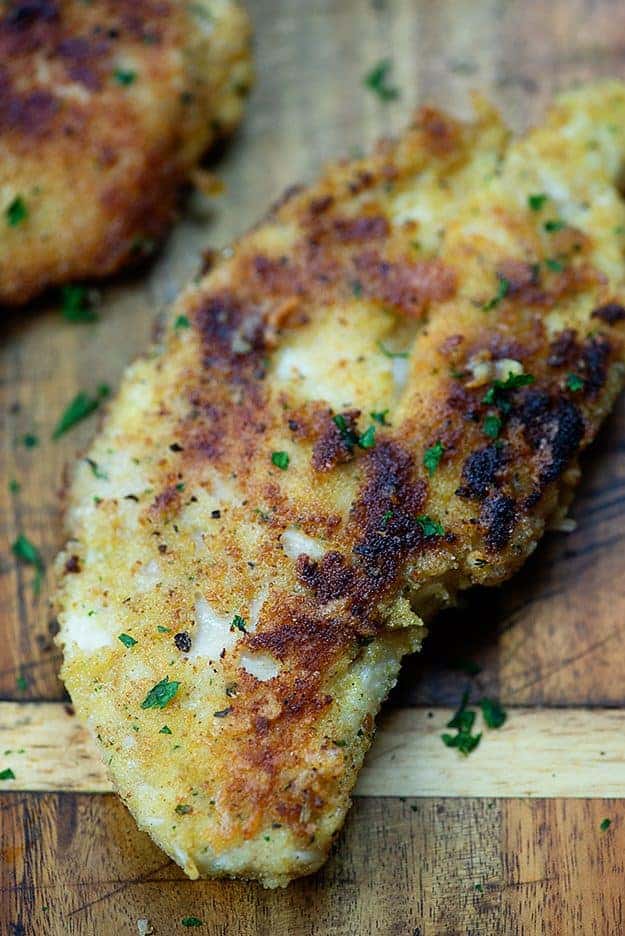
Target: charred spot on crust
481, 471
333, 446
232, 337
554, 428
594, 361
23, 13
182, 641
408, 286
497, 518
329, 578
610, 313
72, 564
441, 132
367, 227
564, 349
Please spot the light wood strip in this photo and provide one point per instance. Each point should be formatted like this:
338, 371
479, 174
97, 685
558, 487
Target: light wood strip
537, 753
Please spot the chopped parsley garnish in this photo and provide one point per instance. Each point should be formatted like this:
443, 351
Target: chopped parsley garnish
380, 417
161, 694
27, 552
191, 921
574, 383
96, 471
349, 437
463, 721
433, 456
280, 460
75, 305
430, 527
238, 623
180, 486
163, 630
491, 426
494, 715
29, 440
14, 486
496, 393
556, 266
183, 809
386, 517
605, 823
553, 225
22, 683
502, 291
16, 211
165, 730
7, 774
367, 439
80, 407
357, 289
377, 81
392, 354
479, 888
182, 322
127, 640
124, 76
536, 202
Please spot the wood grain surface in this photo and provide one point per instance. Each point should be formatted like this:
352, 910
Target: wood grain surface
75, 864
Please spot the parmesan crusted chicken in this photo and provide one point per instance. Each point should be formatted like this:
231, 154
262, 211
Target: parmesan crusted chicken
105, 108
375, 399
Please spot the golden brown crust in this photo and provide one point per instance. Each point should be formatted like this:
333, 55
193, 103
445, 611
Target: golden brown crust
105, 108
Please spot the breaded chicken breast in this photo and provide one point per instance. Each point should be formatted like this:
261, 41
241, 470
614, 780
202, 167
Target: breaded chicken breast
377, 398
105, 109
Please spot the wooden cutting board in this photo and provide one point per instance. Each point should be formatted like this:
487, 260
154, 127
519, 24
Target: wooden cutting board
508, 841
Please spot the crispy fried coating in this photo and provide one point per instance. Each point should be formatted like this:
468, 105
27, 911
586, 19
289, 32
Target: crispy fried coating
376, 399
105, 109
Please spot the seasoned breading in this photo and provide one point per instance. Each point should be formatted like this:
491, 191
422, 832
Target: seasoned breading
105, 109
376, 398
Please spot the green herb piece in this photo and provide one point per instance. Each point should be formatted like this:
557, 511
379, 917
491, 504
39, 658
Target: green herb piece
605, 823
182, 322
367, 439
377, 81
491, 426
165, 730
29, 440
479, 888
357, 289
556, 266
238, 623
553, 225
430, 527
463, 721
7, 774
392, 354
124, 76
502, 291
494, 715
380, 417
280, 460
80, 407
163, 630
183, 809
496, 393
180, 486
14, 486
96, 471
386, 517
433, 456
22, 683
574, 383
349, 437
127, 640
191, 921
27, 552
161, 694
75, 305
16, 211
536, 202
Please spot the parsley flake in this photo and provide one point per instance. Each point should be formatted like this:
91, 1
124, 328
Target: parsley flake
182, 322
430, 527
28, 553
491, 426
463, 721
367, 439
191, 921
605, 823
80, 407
124, 76
29, 440
574, 383
7, 774
502, 291
165, 730
498, 390
75, 305
22, 683
183, 809
377, 81
16, 211
14, 486
553, 225
392, 354
433, 456
280, 460
161, 694
556, 266
238, 623
536, 202
127, 640
380, 417
96, 471
494, 715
